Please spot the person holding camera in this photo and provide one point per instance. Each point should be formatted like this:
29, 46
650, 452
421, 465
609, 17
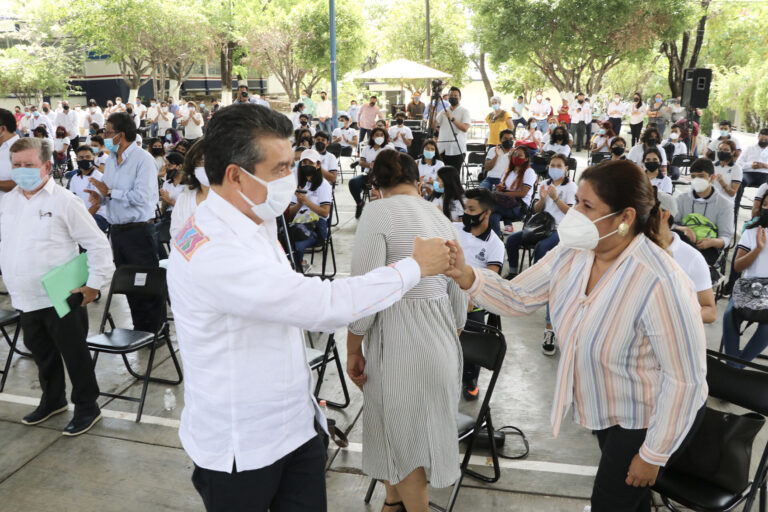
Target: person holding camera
453, 124
243, 96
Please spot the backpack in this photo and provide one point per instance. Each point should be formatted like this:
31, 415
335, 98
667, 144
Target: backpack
700, 225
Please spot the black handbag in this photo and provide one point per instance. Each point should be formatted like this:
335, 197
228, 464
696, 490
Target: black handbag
750, 299
720, 450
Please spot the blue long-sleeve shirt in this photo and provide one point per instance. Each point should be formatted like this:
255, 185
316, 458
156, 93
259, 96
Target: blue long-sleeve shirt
134, 186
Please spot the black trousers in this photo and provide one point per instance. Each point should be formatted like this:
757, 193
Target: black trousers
453, 160
295, 483
74, 143
615, 124
580, 131
636, 130
51, 339
610, 493
138, 246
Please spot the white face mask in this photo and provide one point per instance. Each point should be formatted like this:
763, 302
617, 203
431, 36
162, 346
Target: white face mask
279, 195
164, 109
539, 97
202, 177
379, 141
699, 185
674, 135
576, 231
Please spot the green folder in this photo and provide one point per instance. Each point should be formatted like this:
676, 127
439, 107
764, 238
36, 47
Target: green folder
60, 282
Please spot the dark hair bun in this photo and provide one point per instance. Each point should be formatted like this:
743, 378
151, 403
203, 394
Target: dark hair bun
392, 168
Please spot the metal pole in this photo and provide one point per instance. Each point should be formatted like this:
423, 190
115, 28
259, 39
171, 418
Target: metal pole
429, 50
334, 89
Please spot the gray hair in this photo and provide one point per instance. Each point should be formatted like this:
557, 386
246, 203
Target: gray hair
43, 147
496, 99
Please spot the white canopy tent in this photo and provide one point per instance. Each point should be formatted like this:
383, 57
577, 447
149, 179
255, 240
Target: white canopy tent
402, 69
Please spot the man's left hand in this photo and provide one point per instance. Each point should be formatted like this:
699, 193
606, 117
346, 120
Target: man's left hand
641, 473
89, 294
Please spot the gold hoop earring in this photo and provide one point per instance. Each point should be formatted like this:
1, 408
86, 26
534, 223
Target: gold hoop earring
623, 229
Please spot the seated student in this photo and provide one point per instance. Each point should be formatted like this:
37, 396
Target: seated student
448, 194
673, 146
377, 142
497, 160
400, 135
428, 165
568, 130
618, 148
531, 137
514, 193
80, 183
649, 139
602, 143
304, 125
725, 134
558, 142
550, 127
652, 166
311, 207
172, 187
703, 200
728, 173
482, 249
329, 165
60, 145
754, 161
752, 262
757, 206
345, 135
689, 259
102, 154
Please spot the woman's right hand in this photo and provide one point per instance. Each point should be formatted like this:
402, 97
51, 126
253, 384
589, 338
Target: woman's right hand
460, 271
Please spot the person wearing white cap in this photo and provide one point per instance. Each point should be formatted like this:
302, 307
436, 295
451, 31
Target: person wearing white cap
688, 257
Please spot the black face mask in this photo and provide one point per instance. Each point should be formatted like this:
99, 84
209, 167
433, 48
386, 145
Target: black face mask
581, 101
399, 121
618, 150
724, 156
303, 123
130, 110
507, 144
170, 174
307, 140
45, 109
85, 165
637, 100
322, 98
763, 143
652, 166
66, 107
453, 101
372, 103
157, 151
763, 222
472, 221
308, 171
320, 147
61, 135
652, 142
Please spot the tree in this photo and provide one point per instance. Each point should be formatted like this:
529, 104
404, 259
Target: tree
678, 55
404, 37
520, 79
574, 43
30, 71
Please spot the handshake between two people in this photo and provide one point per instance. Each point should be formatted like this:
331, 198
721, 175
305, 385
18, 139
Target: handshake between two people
440, 256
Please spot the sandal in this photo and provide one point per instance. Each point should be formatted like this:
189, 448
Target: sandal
396, 504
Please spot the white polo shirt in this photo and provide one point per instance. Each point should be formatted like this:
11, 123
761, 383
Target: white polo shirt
501, 165
692, 262
759, 267
397, 130
730, 173
566, 191
480, 251
539, 109
529, 178
323, 195
79, 184
427, 171
346, 134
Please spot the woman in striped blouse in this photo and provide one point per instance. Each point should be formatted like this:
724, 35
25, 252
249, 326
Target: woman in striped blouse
631, 337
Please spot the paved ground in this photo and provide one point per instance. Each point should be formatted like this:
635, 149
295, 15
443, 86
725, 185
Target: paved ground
121, 465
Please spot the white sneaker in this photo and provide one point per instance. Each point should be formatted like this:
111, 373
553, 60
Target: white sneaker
548, 346
587, 509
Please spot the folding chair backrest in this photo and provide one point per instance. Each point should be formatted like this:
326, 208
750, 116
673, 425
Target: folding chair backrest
476, 158
334, 149
483, 345
571, 164
476, 147
146, 282
164, 232
683, 160
747, 387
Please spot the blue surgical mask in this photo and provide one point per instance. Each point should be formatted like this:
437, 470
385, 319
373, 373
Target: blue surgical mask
602, 131
429, 155
724, 133
28, 178
36, 113
110, 145
556, 173
552, 126
658, 100
495, 106
437, 187
168, 137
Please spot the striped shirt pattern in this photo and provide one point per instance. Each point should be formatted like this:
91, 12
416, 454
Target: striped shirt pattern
633, 352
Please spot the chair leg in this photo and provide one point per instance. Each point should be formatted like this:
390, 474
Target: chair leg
12, 344
343, 380
371, 487
155, 379
8, 338
146, 382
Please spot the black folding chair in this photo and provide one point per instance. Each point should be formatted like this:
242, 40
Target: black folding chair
325, 247
164, 235
596, 158
318, 360
476, 147
485, 346
145, 282
335, 149
746, 388
683, 162
475, 160
8, 318
572, 167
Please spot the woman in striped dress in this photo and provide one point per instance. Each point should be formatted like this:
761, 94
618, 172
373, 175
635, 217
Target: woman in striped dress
411, 371
632, 342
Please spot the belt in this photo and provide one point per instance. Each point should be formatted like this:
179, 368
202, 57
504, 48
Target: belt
126, 227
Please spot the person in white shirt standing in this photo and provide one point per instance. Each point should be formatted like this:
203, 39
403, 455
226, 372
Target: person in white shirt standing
42, 226
454, 124
141, 111
7, 138
616, 110
40, 120
400, 135
230, 284
94, 114
69, 120
580, 116
324, 114
192, 122
539, 109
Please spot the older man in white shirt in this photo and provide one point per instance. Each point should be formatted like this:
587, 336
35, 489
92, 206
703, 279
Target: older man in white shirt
250, 422
43, 226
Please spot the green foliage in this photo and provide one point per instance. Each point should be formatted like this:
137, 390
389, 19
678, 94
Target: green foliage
402, 34
29, 71
646, 75
516, 78
744, 88
735, 34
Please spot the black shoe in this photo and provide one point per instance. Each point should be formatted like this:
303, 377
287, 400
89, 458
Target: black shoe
81, 425
548, 347
359, 209
511, 276
40, 415
470, 392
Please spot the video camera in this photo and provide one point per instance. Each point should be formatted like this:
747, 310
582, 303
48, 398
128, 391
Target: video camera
437, 86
